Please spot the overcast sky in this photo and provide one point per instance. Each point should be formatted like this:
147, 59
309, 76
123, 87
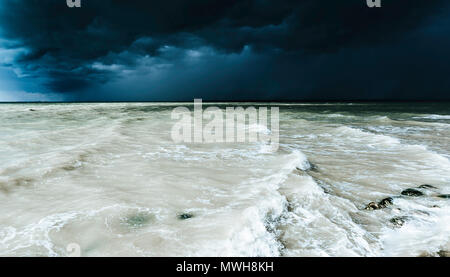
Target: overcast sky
173, 50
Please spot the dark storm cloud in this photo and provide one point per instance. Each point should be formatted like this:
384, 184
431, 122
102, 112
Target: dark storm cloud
285, 47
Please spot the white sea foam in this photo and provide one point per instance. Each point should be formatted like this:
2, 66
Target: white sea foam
434, 116
424, 234
109, 178
365, 138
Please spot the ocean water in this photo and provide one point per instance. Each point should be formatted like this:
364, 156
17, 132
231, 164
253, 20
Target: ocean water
108, 178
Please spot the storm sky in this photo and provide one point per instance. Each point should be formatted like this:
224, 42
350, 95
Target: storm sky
173, 50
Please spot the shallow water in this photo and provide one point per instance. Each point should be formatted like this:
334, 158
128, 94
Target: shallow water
109, 178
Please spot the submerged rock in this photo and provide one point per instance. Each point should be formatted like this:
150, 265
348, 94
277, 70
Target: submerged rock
69, 168
427, 187
399, 221
138, 220
412, 192
445, 196
185, 216
312, 167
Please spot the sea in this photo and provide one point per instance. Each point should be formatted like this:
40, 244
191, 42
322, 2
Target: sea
107, 179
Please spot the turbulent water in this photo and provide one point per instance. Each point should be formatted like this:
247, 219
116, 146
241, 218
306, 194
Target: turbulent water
109, 178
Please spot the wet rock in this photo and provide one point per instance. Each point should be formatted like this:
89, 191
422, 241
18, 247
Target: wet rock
386, 202
399, 221
445, 196
380, 205
373, 206
412, 192
427, 187
185, 216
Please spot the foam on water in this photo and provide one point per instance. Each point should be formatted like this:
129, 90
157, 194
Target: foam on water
425, 234
433, 116
109, 178
345, 134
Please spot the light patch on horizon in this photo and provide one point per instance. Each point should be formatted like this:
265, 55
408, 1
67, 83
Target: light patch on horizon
23, 96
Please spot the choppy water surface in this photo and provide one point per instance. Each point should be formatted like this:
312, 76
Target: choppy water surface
109, 178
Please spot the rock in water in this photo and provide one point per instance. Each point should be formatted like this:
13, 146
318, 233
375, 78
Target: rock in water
386, 202
381, 205
412, 192
445, 196
398, 221
373, 206
185, 216
313, 167
138, 220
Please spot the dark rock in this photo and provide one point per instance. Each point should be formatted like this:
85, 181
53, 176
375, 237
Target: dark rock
412, 192
185, 216
373, 206
427, 187
398, 221
313, 167
32, 110
380, 205
445, 196
386, 202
